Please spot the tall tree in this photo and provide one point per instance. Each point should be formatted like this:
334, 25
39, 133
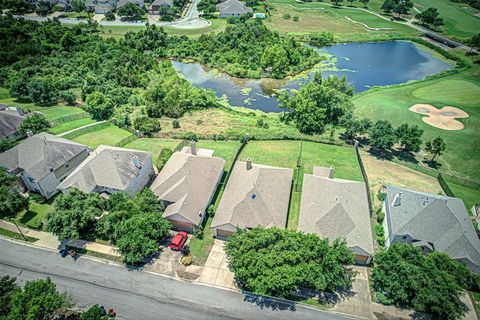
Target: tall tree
42, 91
99, 106
435, 147
474, 42
410, 138
336, 2
7, 288
35, 123
78, 5
388, 6
365, 2
131, 11
11, 201
430, 17
351, 2
382, 135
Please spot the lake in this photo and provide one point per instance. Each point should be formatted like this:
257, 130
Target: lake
364, 64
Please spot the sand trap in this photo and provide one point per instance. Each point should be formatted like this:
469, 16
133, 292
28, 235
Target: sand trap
444, 118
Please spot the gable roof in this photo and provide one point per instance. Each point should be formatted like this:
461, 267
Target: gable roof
161, 3
10, 121
107, 167
188, 182
440, 220
336, 208
233, 7
40, 154
122, 3
258, 196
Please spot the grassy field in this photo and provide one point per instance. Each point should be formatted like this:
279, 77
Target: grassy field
461, 90
469, 196
67, 126
460, 20
153, 145
318, 16
109, 136
35, 216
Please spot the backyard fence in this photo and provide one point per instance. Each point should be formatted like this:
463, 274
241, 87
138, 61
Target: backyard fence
365, 178
69, 118
82, 131
445, 186
126, 140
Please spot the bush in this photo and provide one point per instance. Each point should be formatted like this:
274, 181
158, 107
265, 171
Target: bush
38, 198
381, 195
175, 124
199, 232
380, 215
295, 18
187, 260
110, 16
286, 16
163, 158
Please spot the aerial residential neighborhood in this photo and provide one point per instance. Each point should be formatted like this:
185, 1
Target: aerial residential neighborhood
239, 159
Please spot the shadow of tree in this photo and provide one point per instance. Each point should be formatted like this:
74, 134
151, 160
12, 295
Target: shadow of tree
269, 302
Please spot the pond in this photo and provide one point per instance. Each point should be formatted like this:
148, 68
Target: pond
364, 64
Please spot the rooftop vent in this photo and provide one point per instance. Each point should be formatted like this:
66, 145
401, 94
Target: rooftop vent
193, 148
136, 162
397, 201
249, 163
254, 196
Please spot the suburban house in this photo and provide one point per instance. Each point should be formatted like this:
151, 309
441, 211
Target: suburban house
10, 121
233, 8
336, 208
108, 170
100, 6
139, 3
155, 6
42, 161
186, 186
256, 195
431, 222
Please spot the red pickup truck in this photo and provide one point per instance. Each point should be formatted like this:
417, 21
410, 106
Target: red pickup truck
178, 241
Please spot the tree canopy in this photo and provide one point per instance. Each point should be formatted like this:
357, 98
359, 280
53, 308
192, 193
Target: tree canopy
430, 17
35, 123
277, 261
11, 202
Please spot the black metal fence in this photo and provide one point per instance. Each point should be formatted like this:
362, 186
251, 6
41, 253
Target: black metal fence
365, 178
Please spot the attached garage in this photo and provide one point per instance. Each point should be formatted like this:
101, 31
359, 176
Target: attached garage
361, 259
222, 233
181, 225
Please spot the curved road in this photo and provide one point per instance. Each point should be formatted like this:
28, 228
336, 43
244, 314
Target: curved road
137, 295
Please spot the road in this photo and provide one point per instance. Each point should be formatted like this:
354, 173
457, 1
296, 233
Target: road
136, 294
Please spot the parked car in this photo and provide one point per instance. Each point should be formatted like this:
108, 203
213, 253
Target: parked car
178, 241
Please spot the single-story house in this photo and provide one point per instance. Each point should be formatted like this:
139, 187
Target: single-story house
255, 195
10, 121
155, 6
139, 3
42, 161
100, 6
431, 222
110, 170
233, 8
336, 208
186, 186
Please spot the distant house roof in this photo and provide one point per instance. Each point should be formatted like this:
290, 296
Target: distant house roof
121, 3
256, 196
439, 220
336, 208
188, 182
157, 3
107, 167
233, 7
10, 121
40, 154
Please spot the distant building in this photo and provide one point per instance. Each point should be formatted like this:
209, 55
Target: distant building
139, 3
431, 222
157, 4
110, 170
10, 120
100, 6
186, 186
43, 160
256, 195
337, 208
233, 8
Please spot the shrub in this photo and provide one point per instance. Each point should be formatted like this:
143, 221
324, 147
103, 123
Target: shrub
175, 124
295, 18
163, 158
187, 260
380, 215
199, 232
286, 16
38, 198
381, 195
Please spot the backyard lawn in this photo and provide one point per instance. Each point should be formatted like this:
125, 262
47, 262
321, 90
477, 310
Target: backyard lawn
153, 145
108, 136
67, 126
222, 149
35, 216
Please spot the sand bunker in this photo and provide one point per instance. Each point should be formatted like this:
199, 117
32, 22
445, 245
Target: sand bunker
441, 118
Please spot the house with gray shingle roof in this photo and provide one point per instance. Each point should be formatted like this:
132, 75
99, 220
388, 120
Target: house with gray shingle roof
10, 121
111, 169
255, 195
157, 4
431, 222
138, 3
337, 208
43, 160
233, 8
186, 186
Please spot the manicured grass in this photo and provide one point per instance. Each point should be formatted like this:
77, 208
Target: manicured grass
469, 196
14, 235
278, 153
153, 145
200, 248
222, 149
67, 126
460, 19
109, 136
52, 113
460, 90
35, 216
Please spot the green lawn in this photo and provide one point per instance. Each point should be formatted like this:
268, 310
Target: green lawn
222, 149
67, 126
35, 216
279, 153
14, 235
468, 195
109, 136
461, 90
153, 145
200, 248
460, 19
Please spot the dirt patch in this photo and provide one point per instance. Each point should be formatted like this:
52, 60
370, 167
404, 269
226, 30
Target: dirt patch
444, 118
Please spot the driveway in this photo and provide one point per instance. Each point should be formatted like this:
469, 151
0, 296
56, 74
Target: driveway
166, 261
216, 272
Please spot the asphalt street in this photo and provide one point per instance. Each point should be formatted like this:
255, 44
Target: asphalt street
136, 294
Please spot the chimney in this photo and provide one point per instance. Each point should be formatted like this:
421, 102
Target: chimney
136, 162
193, 148
249, 163
397, 201
29, 133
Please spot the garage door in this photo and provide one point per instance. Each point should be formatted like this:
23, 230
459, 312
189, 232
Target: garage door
180, 225
223, 234
361, 259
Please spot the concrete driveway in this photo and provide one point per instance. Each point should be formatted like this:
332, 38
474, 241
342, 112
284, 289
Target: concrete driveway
167, 261
216, 272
